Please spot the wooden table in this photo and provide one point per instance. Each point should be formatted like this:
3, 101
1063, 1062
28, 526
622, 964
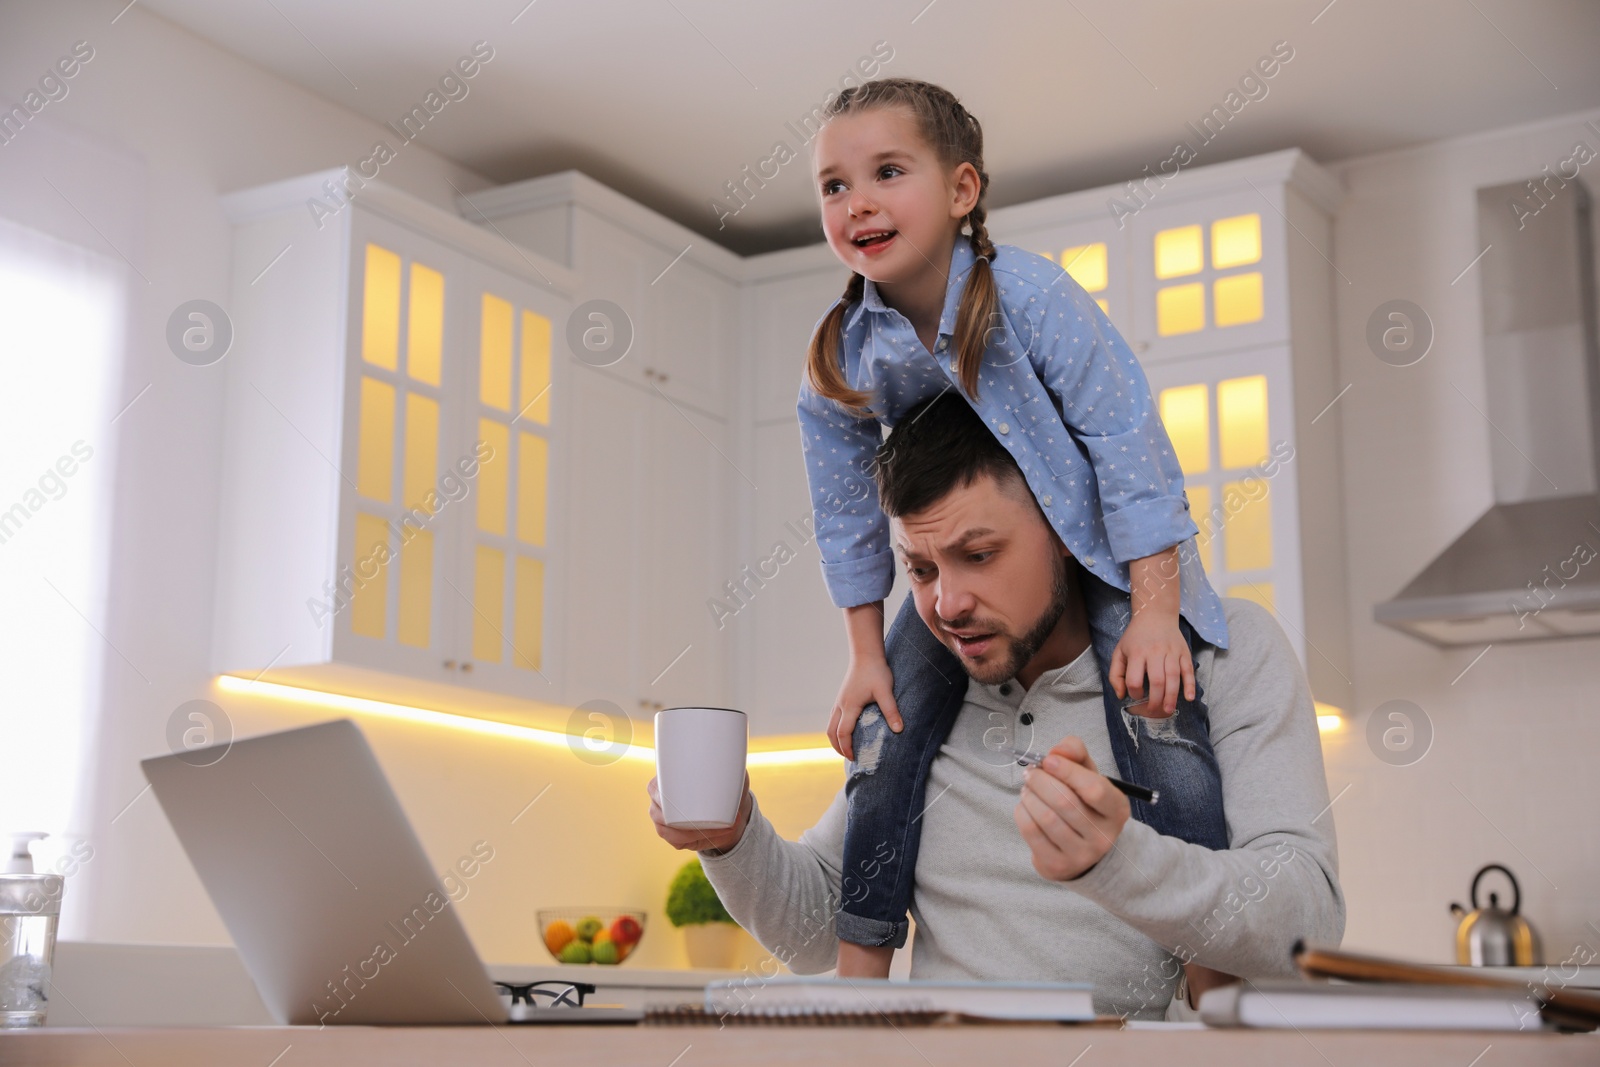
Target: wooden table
705, 1046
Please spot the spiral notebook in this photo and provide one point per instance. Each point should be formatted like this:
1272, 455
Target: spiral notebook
789, 995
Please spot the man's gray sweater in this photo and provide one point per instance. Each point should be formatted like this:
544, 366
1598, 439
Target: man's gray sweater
983, 913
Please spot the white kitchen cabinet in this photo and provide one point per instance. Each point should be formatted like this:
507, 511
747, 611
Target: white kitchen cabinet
678, 291
1209, 273
681, 316
783, 313
392, 485
683, 553
793, 654
1230, 418
1230, 310
646, 540
685, 337
603, 564
797, 635
656, 466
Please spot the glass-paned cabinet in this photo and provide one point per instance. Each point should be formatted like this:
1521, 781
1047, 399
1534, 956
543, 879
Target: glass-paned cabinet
390, 486
1217, 411
453, 460
1200, 280
1207, 276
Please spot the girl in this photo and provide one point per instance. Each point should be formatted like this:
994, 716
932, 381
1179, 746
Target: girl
930, 308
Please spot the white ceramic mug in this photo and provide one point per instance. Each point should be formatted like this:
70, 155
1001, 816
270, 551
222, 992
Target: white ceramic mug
700, 755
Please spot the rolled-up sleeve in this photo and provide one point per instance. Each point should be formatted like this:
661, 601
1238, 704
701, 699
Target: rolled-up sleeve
852, 530
1101, 391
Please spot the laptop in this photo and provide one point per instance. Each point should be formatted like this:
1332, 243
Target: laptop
331, 900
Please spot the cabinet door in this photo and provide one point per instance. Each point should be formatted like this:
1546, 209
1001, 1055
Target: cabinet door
610, 268
785, 311
799, 653
680, 316
685, 339
396, 532
682, 521
505, 581
606, 440
1232, 427
1208, 275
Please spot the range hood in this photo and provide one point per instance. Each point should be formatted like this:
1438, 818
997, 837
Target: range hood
1529, 568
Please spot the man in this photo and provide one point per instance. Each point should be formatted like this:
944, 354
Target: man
1039, 874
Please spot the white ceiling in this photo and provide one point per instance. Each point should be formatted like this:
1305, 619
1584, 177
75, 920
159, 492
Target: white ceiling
666, 100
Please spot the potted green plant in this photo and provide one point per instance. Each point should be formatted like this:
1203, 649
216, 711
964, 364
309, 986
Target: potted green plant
709, 933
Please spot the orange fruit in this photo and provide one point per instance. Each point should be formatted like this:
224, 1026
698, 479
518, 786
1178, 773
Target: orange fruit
558, 935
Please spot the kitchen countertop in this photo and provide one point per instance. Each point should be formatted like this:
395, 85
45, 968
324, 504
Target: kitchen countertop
114, 985
740, 1046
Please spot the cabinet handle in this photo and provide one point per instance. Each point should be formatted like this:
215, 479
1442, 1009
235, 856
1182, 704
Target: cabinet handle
466, 666
1141, 346
449, 664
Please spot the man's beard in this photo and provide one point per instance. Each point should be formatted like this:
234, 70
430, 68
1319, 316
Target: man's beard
1023, 648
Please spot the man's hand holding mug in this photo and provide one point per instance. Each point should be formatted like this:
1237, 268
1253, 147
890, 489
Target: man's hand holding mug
700, 797
713, 841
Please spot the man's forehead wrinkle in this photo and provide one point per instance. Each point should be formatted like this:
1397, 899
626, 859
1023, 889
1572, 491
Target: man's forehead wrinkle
967, 536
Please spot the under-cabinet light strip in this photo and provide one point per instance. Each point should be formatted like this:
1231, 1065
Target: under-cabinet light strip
429, 717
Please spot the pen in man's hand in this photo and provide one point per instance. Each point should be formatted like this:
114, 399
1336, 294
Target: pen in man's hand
1137, 792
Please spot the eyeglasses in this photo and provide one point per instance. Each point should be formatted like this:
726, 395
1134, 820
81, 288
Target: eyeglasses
548, 994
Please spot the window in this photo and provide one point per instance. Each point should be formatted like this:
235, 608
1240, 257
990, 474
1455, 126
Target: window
62, 314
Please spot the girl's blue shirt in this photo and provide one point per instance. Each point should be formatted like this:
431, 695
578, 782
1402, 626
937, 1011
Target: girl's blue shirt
1059, 388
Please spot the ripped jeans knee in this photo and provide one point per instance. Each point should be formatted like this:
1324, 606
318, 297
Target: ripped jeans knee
868, 738
1165, 730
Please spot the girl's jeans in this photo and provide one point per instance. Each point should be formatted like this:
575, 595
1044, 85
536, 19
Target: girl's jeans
887, 781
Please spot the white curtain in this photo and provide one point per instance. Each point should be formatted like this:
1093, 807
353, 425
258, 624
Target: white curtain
62, 313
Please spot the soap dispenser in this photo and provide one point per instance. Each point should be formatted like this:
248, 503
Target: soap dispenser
30, 906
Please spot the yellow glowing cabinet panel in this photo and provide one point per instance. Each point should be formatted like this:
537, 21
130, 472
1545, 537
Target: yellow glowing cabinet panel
422, 450
1179, 251
380, 311
488, 604
425, 332
375, 456
1185, 411
1236, 241
369, 602
534, 402
1181, 309
416, 586
1242, 421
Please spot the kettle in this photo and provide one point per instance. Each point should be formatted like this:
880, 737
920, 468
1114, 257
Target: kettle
1492, 936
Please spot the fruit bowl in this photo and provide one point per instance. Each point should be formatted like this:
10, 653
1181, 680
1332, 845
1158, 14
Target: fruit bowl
590, 935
